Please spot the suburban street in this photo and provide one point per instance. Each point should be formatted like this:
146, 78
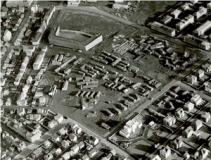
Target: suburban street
36, 144
49, 134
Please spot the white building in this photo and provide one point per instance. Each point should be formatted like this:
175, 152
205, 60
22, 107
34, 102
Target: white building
157, 157
130, 127
52, 124
59, 118
120, 6
185, 22
207, 67
200, 73
169, 120
176, 13
196, 99
165, 152
93, 43
203, 28
188, 132
163, 29
28, 50
201, 12
38, 61
188, 106
73, 2
201, 154
180, 113
65, 85
7, 35
192, 79
75, 149
206, 117
34, 8
197, 124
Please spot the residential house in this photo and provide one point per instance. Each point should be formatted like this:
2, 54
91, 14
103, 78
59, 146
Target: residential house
197, 124
196, 99
177, 143
169, 120
201, 154
206, 116
157, 157
180, 113
192, 79
200, 73
188, 132
188, 106
165, 152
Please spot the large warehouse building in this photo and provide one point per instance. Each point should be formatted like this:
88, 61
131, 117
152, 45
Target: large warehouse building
73, 39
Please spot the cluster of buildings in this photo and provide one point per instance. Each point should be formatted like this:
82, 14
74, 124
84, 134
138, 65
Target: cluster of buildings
23, 97
173, 24
88, 94
173, 111
126, 46
125, 6
87, 84
200, 78
126, 85
11, 22
113, 60
22, 25
25, 123
92, 71
39, 59
43, 26
162, 50
11, 146
70, 142
63, 63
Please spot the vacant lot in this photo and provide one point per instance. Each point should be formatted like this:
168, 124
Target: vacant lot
90, 23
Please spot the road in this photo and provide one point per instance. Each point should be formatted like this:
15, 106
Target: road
49, 134
103, 140
155, 96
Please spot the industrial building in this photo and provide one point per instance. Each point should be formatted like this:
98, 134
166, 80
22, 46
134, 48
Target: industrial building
197, 42
163, 29
73, 39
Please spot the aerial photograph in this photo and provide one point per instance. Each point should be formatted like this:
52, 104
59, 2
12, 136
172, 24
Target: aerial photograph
105, 80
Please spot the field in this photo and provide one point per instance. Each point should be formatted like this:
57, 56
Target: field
142, 11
